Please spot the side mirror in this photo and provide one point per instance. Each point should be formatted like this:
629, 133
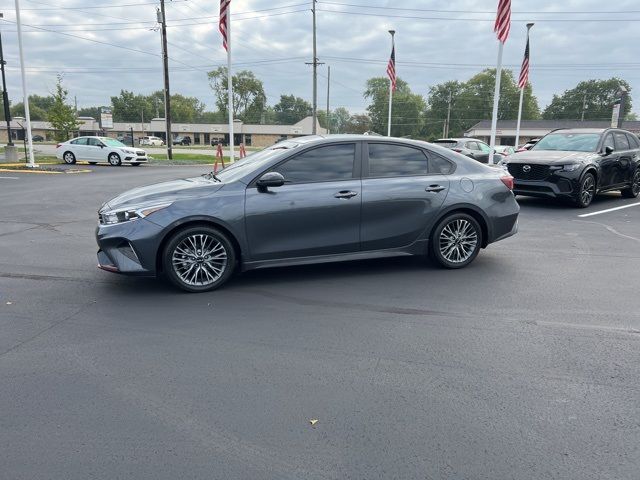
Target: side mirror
270, 179
608, 150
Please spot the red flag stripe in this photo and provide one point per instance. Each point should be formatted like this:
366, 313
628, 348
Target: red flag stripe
524, 70
391, 68
503, 20
222, 22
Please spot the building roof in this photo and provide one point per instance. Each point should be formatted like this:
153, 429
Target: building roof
553, 124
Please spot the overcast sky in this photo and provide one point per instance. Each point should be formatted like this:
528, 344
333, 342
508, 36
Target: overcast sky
436, 41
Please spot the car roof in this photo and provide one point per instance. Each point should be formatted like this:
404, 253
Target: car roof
580, 130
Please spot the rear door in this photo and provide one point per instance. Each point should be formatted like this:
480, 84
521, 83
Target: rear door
316, 212
622, 172
400, 195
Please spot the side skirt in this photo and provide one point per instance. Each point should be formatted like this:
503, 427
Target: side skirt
417, 248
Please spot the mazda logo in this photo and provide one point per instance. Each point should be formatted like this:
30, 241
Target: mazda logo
526, 168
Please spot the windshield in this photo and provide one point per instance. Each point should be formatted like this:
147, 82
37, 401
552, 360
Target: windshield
253, 161
569, 142
112, 142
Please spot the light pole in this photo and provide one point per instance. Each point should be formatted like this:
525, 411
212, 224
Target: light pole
525, 64
5, 95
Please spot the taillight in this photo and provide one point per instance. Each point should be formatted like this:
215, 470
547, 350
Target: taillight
508, 181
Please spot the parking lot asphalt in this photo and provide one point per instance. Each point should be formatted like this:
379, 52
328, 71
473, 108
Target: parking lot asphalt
524, 365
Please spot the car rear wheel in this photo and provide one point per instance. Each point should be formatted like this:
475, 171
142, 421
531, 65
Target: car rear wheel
199, 259
69, 158
114, 160
456, 241
587, 191
634, 189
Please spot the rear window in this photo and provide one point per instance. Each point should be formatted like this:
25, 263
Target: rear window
446, 143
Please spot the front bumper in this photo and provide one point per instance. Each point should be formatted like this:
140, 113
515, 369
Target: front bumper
565, 184
129, 247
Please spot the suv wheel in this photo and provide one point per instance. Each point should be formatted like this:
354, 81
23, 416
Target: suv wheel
199, 259
456, 241
634, 189
587, 191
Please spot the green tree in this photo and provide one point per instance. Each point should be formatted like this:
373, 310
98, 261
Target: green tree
595, 96
407, 110
291, 109
38, 107
339, 119
93, 112
472, 101
129, 107
249, 99
62, 116
358, 124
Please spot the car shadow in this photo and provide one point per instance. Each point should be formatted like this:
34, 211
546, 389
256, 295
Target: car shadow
603, 200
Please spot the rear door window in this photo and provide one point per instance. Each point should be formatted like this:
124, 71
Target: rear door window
473, 146
322, 164
621, 141
79, 141
388, 160
633, 141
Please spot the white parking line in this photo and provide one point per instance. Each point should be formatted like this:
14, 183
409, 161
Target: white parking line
10, 178
608, 210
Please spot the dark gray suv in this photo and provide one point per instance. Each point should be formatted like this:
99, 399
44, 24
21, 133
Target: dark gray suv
312, 199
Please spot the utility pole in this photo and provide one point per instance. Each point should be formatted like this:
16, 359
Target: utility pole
328, 85
584, 106
162, 19
315, 63
5, 95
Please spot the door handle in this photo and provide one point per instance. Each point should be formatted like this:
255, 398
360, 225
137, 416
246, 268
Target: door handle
434, 188
346, 194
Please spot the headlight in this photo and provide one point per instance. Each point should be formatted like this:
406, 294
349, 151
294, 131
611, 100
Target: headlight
570, 167
127, 151
132, 213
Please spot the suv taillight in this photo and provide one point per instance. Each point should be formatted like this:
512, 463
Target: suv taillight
508, 181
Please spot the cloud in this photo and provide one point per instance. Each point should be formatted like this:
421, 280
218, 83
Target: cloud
276, 46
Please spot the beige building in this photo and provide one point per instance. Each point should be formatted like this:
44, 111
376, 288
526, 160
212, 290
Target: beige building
199, 133
506, 129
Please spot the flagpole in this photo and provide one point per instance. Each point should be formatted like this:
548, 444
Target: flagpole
519, 118
529, 25
25, 93
230, 85
496, 99
392, 32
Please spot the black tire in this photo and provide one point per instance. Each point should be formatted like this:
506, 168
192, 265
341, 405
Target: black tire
586, 191
114, 159
456, 241
634, 189
178, 266
135, 164
69, 158
93, 163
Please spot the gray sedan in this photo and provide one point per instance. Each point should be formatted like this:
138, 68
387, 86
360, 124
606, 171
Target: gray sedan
309, 200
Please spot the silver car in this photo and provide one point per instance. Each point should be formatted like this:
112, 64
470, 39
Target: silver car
309, 200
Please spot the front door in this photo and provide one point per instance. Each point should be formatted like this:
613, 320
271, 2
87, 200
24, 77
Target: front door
608, 163
401, 194
94, 150
316, 212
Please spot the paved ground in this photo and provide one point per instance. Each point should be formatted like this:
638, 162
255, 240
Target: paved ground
525, 365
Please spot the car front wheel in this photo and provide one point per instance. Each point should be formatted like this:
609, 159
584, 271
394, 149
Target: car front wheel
199, 259
634, 189
114, 160
456, 241
69, 158
587, 191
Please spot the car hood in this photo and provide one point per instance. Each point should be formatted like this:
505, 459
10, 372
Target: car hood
549, 157
164, 192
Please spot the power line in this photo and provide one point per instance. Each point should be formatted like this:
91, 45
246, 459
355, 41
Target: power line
514, 12
110, 6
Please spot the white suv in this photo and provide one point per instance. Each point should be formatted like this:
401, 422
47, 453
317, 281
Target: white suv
152, 141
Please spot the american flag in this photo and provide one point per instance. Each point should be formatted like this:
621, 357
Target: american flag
503, 20
524, 70
222, 22
391, 68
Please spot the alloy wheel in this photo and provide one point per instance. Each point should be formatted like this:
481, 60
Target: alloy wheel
635, 186
199, 260
458, 241
588, 190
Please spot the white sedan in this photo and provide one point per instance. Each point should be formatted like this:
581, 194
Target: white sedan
100, 149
